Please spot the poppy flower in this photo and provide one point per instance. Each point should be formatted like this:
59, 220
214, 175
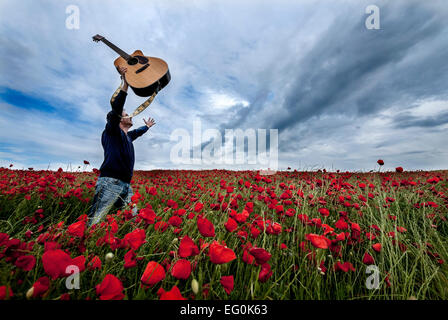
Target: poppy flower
341, 224
261, 255
255, 232
227, 283
248, 258
368, 259
40, 287
77, 229
80, 262
181, 269
135, 238
5, 292
265, 272
148, 215
318, 241
380, 162
65, 296
324, 212
26, 262
231, 225
187, 247
220, 254
94, 263
175, 221
401, 229
153, 273
376, 247
399, 169
110, 288
340, 236
173, 294
198, 207
55, 263
86, 162
206, 228
345, 267
129, 259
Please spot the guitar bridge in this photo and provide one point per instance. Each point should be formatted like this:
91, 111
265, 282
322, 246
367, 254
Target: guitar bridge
142, 68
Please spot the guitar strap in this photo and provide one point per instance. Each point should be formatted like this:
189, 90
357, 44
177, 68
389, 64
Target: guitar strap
140, 108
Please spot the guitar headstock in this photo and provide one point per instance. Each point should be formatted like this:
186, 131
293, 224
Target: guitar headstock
97, 38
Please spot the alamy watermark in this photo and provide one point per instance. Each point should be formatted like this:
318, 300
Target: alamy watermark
373, 20
373, 281
210, 148
72, 20
72, 281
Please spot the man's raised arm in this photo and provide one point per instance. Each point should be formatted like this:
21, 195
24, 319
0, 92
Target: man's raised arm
114, 116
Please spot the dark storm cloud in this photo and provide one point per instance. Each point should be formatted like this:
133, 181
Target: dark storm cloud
355, 71
354, 55
407, 120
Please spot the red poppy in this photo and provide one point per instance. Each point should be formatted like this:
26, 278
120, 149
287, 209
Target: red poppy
130, 260
345, 267
368, 259
136, 196
376, 247
206, 228
324, 212
135, 238
5, 292
399, 169
80, 262
161, 226
26, 262
153, 273
77, 229
110, 288
95, 263
255, 232
248, 258
231, 225
41, 286
261, 255
55, 263
173, 294
181, 269
187, 247
227, 283
86, 162
175, 221
220, 254
148, 215
380, 162
265, 272
401, 229
318, 241
198, 207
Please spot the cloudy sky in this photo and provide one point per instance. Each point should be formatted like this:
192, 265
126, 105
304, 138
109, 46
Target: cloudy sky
340, 95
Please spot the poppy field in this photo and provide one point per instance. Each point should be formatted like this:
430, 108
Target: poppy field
218, 234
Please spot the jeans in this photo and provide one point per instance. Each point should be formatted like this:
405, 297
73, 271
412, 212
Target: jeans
109, 192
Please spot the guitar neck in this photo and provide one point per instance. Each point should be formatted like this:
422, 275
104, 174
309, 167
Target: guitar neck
123, 54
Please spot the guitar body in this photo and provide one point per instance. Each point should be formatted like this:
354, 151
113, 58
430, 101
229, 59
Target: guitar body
145, 75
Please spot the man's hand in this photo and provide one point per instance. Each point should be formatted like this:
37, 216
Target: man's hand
122, 71
149, 123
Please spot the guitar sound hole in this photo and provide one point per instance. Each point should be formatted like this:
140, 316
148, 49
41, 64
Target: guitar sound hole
142, 59
132, 61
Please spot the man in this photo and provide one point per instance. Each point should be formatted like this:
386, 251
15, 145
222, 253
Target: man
113, 186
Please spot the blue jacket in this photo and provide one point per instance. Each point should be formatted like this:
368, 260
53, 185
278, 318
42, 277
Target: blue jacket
119, 155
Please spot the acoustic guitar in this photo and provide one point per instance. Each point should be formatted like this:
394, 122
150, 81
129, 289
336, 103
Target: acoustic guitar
145, 75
